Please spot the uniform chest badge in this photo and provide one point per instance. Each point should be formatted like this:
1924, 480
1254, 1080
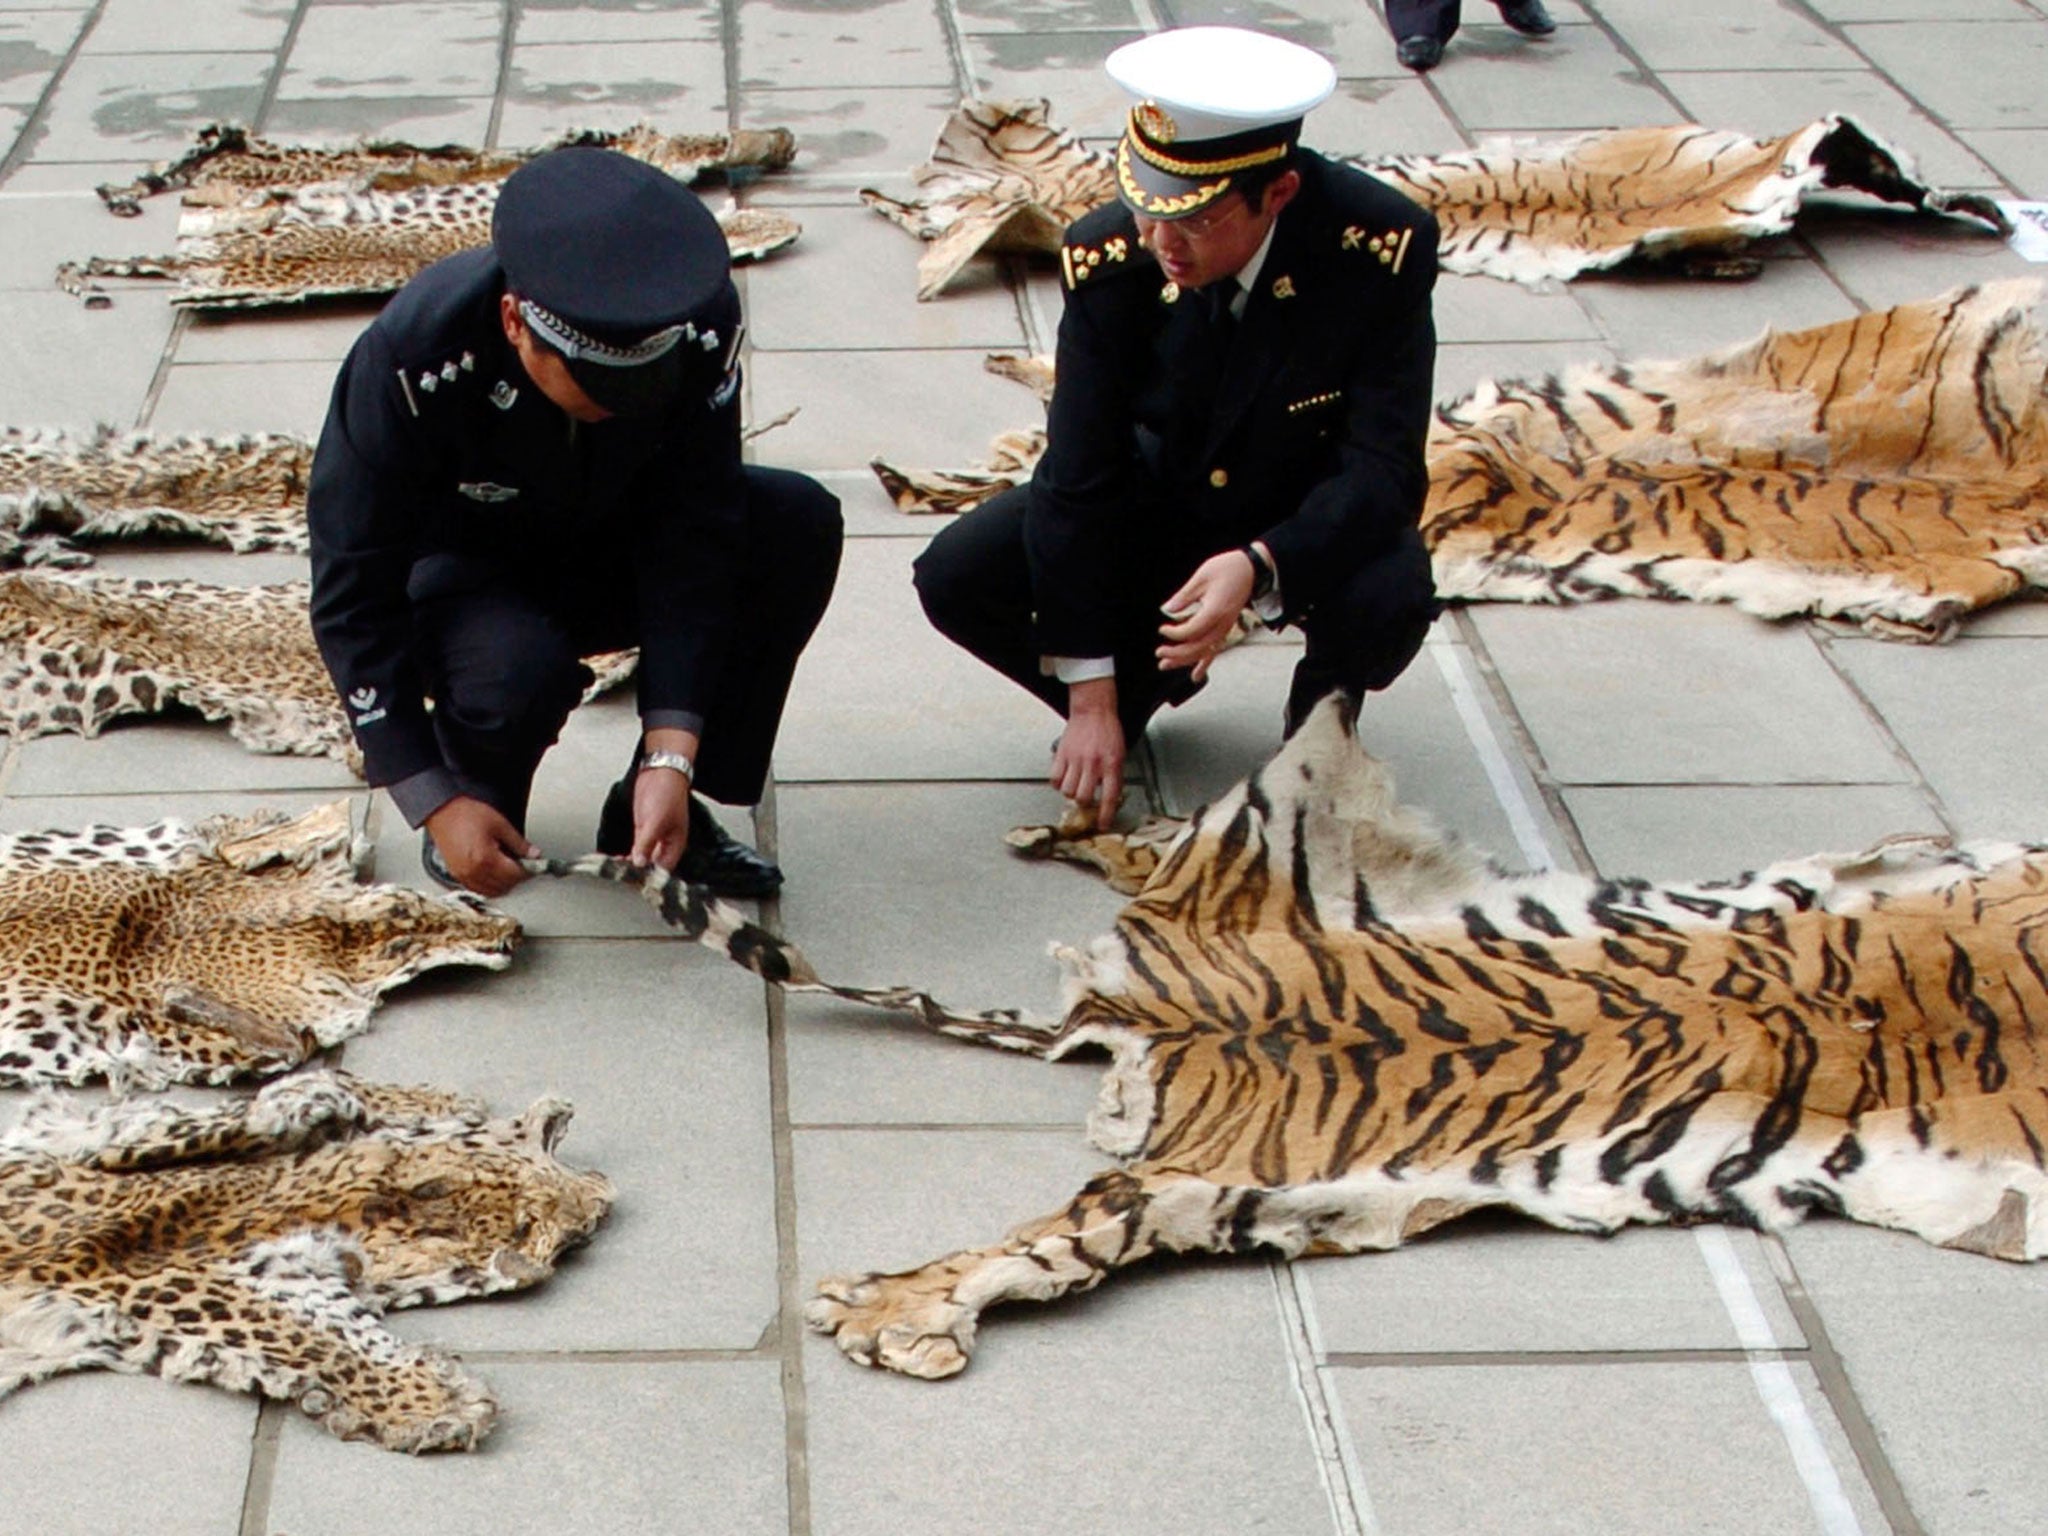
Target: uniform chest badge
1170, 294
485, 491
1283, 287
503, 394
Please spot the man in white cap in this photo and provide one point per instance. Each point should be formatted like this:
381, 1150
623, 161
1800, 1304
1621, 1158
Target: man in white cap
1422, 27
1243, 389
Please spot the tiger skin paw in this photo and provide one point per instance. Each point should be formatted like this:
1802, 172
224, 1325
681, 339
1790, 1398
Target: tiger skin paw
884, 1320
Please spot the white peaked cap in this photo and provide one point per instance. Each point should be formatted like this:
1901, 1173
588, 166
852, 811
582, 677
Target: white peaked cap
1218, 81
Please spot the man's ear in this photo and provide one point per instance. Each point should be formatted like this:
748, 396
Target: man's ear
510, 318
1280, 192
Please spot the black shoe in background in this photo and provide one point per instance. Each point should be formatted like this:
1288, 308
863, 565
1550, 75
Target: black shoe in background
1527, 17
1419, 53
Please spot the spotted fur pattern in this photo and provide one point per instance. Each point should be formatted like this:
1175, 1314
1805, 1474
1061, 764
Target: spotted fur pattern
205, 954
257, 1245
268, 224
1331, 1029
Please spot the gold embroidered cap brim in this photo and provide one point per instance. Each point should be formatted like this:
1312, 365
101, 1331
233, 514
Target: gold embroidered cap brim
1158, 195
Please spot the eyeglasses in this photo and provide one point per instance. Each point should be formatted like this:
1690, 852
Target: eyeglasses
1198, 226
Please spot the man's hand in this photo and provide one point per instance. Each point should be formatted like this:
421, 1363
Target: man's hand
661, 802
479, 845
1201, 613
1088, 764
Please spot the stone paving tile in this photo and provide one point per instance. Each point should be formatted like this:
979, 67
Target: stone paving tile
572, 21
660, 1046
1461, 365
1885, 257
1472, 309
1921, 10
1756, 35
1567, 1449
887, 42
47, 228
148, 26
305, 333
1352, 36
672, 84
146, 105
428, 120
1954, 711
856, 406
90, 1451
865, 505
1654, 315
2023, 615
2018, 154
68, 813
1986, 77
245, 397
583, 1447
1495, 81
1046, 15
888, 888
800, 302
1384, 117
872, 137
1784, 99
1664, 693
32, 45
882, 695
434, 48
1063, 67
167, 755
1064, 1381
1713, 832
1501, 1284
63, 365
1944, 1351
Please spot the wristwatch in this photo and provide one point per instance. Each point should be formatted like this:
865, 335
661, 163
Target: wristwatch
679, 761
1263, 576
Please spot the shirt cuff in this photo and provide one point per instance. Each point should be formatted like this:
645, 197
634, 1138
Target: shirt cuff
1077, 669
420, 795
1270, 607
673, 720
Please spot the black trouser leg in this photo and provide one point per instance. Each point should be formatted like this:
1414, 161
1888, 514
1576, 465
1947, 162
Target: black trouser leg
974, 581
503, 675
1423, 18
794, 533
1363, 635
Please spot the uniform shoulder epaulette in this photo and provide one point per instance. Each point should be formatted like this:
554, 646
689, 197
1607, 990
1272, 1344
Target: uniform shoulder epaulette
1101, 244
422, 381
1389, 243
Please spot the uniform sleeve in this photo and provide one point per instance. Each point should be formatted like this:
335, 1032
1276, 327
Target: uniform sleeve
1082, 488
370, 473
1381, 479
693, 542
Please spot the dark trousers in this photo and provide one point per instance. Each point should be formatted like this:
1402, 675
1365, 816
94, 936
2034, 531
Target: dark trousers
975, 584
1423, 18
504, 668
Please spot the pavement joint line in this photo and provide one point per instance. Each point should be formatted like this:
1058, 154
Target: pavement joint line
1434, 1359
1775, 1389
1338, 1467
1648, 76
508, 30
886, 1127
763, 1352
275, 82
1825, 644
956, 47
159, 380
261, 1483
25, 135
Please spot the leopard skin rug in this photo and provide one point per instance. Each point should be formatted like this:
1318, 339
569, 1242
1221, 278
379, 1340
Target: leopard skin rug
1003, 178
257, 1244
1889, 471
208, 953
265, 224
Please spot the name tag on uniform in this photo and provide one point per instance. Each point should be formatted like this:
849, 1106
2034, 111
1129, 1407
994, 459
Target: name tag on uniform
484, 490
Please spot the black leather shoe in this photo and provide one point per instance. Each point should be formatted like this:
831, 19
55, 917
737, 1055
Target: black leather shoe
1527, 17
1419, 53
714, 857
437, 867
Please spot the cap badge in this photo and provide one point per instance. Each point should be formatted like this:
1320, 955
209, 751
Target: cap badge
1283, 287
1155, 122
1170, 293
503, 394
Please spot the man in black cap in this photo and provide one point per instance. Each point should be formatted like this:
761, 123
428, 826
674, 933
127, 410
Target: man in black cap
1421, 28
1242, 392
532, 456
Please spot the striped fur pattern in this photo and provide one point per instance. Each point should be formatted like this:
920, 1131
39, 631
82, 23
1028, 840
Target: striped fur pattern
1530, 210
1331, 1029
256, 1244
267, 224
214, 953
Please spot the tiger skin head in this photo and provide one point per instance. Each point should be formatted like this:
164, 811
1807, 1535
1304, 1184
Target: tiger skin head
1332, 1029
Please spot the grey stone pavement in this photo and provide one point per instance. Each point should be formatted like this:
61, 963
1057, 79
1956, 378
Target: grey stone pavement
1498, 1377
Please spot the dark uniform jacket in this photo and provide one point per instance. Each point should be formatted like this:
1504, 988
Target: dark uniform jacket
1312, 439
443, 467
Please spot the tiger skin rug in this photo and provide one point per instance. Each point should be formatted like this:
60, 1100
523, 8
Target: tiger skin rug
257, 1244
1003, 178
209, 953
1889, 471
266, 224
